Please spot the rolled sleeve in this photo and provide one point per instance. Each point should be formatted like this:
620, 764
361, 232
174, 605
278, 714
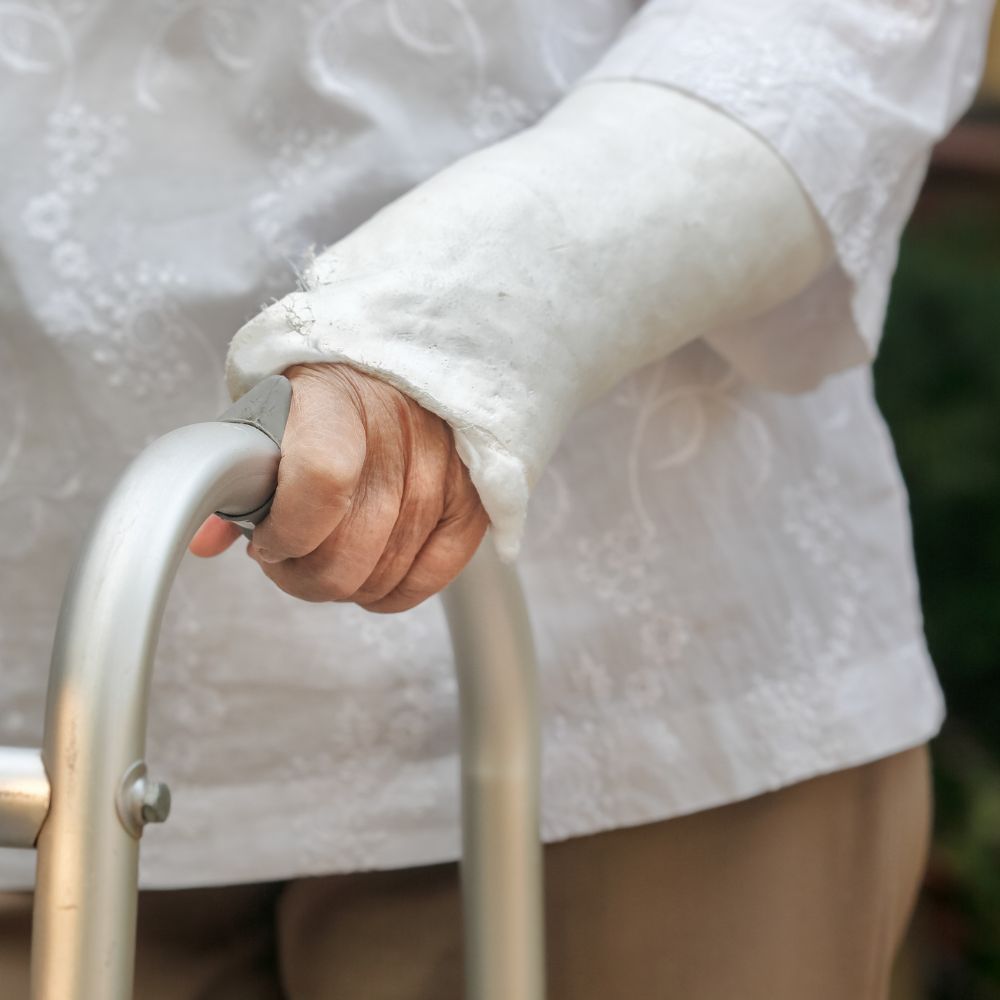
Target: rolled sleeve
852, 94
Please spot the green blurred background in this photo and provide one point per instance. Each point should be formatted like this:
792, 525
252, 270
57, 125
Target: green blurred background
938, 382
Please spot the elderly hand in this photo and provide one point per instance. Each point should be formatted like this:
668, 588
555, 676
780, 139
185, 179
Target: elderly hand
373, 504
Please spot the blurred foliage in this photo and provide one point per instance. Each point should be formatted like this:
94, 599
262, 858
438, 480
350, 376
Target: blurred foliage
938, 382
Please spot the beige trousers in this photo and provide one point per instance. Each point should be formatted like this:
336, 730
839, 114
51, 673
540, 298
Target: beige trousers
800, 894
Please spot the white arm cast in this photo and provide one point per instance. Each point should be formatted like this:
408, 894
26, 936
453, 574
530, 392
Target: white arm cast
530, 277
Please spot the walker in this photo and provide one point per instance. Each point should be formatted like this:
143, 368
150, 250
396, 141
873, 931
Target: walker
83, 799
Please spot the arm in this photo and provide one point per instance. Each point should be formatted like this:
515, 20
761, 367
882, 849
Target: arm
528, 278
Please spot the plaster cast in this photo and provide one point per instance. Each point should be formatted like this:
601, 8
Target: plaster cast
527, 279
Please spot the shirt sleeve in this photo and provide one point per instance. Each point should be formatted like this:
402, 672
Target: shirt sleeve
852, 94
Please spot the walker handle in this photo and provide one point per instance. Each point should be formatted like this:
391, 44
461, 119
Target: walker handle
84, 801
266, 407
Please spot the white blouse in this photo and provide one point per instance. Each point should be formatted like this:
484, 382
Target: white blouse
719, 569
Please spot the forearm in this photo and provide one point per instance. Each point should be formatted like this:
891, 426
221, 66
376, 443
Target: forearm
530, 277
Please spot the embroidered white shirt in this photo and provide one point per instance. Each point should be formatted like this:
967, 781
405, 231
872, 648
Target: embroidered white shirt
720, 571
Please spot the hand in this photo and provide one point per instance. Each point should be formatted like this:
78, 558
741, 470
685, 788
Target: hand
373, 504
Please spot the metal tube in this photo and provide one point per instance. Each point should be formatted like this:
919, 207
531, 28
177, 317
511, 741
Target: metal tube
95, 728
499, 721
85, 900
24, 796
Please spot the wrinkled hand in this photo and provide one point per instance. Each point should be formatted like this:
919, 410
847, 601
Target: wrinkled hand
373, 504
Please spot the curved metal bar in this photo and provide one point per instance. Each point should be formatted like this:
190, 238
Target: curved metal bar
95, 727
24, 796
499, 721
85, 899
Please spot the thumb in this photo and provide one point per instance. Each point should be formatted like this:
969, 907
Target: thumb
213, 537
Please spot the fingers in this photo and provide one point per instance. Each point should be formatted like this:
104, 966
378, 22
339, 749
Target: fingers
421, 509
447, 549
390, 554
213, 537
409, 533
319, 473
443, 557
342, 562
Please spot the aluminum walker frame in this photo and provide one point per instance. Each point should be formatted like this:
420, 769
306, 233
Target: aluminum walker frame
83, 799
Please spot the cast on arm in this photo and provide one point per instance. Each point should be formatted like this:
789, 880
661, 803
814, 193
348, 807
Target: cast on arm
665, 199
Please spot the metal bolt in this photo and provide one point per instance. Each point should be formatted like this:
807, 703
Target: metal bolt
155, 802
140, 801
